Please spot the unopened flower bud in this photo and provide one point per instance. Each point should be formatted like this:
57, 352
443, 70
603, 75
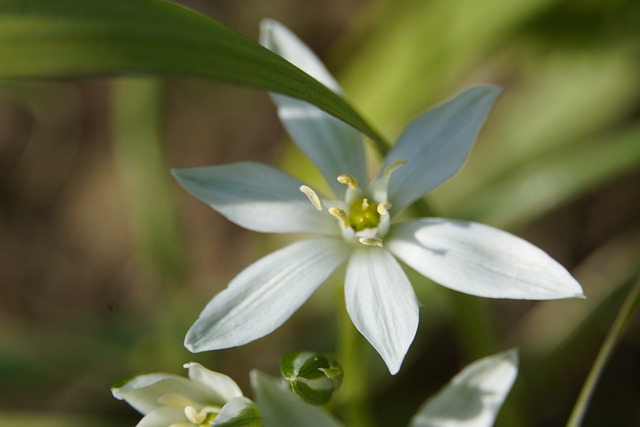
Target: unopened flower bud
312, 376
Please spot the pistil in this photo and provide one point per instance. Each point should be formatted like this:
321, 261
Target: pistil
363, 214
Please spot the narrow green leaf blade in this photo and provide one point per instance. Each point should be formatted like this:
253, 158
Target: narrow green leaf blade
70, 38
530, 192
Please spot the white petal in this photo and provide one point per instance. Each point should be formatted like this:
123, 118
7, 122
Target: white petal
381, 304
239, 411
265, 294
143, 391
480, 260
256, 197
281, 408
219, 387
335, 147
473, 397
436, 144
163, 417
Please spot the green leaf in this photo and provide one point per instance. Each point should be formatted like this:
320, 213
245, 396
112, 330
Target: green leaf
553, 180
70, 38
415, 75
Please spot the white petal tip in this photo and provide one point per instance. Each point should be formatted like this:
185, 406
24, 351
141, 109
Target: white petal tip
492, 88
513, 355
199, 347
495, 90
269, 31
394, 368
267, 23
571, 289
116, 393
191, 346
176, 173
394, 361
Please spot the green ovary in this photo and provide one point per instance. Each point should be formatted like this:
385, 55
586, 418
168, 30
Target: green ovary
363, 214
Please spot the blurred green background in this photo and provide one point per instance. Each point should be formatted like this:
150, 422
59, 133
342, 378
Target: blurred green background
105, 262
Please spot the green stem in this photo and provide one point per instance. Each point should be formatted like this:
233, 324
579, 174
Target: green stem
137, 118
352, 400
474, 326
627, 310
137, 126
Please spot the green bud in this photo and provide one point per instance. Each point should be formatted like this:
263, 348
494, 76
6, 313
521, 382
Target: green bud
312, 376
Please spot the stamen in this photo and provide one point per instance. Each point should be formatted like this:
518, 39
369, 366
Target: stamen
393, 166
371, 241
349, 180
383, 208
194, 416
313, 197
341, 215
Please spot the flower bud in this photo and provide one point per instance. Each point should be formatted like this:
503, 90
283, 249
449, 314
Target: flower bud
312, 376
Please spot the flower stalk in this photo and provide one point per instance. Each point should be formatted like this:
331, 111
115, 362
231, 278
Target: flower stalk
629, 307
353, 398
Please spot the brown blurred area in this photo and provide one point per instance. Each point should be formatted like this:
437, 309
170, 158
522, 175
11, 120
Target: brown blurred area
75, 295
64, 211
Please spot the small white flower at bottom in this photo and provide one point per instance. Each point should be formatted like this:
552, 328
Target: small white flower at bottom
206, 398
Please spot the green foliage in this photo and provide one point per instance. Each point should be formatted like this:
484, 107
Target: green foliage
566, 129
71, 39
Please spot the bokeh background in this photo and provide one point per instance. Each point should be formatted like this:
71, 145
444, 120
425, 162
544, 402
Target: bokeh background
105, 262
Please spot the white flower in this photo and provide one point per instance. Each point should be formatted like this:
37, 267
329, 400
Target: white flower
206, 398
472, 398
357, 225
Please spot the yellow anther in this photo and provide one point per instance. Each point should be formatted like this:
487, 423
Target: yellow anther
383, 208
194, 416
349, 180
313, 196
393, 166
341, 215
371, 241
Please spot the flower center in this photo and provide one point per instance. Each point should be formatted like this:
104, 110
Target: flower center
363, 219
363, 214
196, 414
202, 417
